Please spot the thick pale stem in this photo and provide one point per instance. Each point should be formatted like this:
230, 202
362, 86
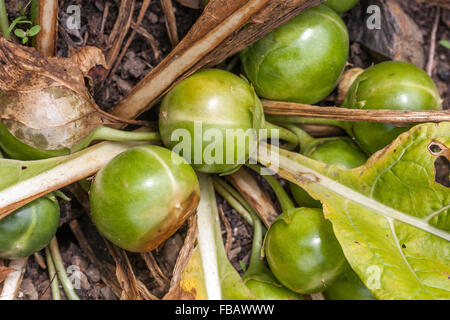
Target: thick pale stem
343, 114
47, 18
282, 196
54, 284
61, 271
4, 22
208, 226
66, 170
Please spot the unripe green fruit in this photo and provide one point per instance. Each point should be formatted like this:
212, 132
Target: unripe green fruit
302, 198
389, 85
348, 287
29, 229
16, 149
341, 6
302, 60
211, 102
267, 291
142, 197
303, 252
339, 151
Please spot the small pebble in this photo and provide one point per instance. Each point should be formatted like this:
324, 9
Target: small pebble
93, 274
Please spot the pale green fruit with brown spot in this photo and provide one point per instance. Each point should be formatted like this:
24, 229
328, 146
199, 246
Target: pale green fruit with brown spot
142, 197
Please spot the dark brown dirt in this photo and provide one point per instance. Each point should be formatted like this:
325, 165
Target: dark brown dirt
138, 61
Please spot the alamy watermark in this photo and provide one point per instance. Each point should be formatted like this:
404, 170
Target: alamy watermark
73, 21
231, 147
374, 20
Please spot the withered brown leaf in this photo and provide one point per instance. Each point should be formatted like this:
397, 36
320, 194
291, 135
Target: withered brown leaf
4, 271
43, 100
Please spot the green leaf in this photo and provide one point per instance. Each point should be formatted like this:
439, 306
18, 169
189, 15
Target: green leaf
25, 40
34, 31
391, 216
209, 274
445, 43
20, 33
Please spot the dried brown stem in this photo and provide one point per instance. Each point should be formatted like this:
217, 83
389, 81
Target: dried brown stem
432, 49
145, 293
343, 114
216, 35
124, 273
120, 29
105, 16
193, 4
154, 269
130, 39
250, 189
151, 39
171, 23
183, 259
48, 20
229, 232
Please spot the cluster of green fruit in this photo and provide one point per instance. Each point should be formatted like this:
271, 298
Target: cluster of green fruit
145, 194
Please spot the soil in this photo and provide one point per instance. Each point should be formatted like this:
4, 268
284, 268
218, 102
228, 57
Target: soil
137, 62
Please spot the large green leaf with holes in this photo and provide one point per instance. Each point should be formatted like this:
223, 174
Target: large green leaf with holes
392, 215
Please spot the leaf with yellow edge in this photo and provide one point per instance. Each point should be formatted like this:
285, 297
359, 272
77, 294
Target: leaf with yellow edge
193, 276
391, 216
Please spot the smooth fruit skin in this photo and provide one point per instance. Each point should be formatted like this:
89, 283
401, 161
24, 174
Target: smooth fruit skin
29, 229
218, 101
302, 198
348, 287
15, 149
389, 85
267, 291
341, 6
302, 251
142, 197
339, 151
300, 61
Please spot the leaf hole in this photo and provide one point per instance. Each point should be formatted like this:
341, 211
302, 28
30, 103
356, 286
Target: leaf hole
442, 171
23, 168
435, 148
